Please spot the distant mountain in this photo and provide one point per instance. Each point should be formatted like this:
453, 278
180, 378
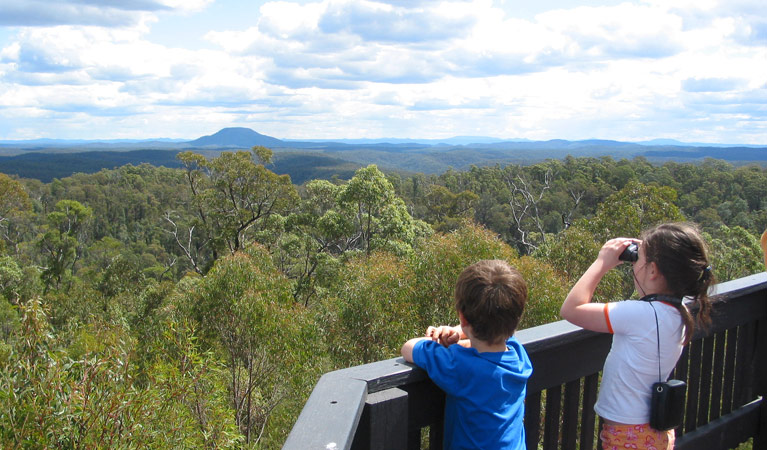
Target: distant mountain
456, 140
236, 137
46, 159
675, 143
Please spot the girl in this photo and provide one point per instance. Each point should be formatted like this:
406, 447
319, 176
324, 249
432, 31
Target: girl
672, 263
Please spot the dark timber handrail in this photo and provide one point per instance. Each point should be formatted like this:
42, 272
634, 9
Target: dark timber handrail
393, 405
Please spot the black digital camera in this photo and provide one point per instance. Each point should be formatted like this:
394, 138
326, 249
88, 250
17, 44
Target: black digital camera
630, 253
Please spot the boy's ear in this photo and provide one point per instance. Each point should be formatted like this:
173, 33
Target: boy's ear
462, 320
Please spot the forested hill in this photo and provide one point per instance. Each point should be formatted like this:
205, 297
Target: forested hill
301, 166
197, 307
47, 166
305, 160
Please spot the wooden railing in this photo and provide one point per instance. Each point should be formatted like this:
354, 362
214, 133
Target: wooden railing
393, 405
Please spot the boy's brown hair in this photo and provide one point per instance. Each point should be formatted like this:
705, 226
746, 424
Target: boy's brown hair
491, 295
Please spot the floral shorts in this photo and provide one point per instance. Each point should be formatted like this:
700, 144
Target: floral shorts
640, 437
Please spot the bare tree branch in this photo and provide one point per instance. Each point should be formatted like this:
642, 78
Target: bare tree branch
524, 206
186, 248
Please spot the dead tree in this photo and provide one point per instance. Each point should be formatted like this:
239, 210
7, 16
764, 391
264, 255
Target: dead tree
524, 202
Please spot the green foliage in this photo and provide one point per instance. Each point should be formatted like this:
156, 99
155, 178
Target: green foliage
263, 155
572, 251
734, 251
15, 211
445, 210
60, 243
88, 397
335, 221
9, 324
193, 384
371, 209
373, 313
245, 313
634, 208
546, 291
11, 277
236, 202
437, 263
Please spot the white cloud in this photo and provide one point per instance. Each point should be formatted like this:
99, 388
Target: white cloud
108, 13
360, 68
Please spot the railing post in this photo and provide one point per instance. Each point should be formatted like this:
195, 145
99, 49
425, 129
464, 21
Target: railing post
384, 422
330, 417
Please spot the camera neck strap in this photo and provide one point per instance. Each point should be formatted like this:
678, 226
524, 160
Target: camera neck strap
657, 333
675, 301
670, 299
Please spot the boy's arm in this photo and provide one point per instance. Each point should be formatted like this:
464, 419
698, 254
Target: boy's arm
407, 348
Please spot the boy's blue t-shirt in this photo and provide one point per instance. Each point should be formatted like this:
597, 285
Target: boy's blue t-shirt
484, 408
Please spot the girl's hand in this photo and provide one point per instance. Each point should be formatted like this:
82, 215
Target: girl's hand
611, 251
445, 335
577, 307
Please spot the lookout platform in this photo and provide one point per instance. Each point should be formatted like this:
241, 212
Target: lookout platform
393, 405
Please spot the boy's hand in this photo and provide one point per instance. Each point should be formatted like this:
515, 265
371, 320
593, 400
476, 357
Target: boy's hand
444, 335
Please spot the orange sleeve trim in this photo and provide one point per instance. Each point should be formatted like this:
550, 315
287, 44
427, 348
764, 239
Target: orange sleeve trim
607, 319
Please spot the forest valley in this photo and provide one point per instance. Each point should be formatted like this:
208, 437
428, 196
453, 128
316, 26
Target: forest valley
147, 307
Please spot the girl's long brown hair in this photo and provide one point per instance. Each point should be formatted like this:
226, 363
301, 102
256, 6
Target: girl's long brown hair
681, 255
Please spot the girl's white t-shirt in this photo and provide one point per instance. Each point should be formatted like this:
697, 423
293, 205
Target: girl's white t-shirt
631, 366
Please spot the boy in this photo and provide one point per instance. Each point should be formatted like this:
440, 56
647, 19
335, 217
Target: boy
485, 375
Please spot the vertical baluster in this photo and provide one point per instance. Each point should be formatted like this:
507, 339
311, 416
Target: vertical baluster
552, 420
681, 372
693, 386
570, 416
741, 366
729, 370
588, 416
749, 365
717, 375
533, 420
707, 363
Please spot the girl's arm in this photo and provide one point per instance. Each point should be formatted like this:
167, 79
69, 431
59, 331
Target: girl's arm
577, 307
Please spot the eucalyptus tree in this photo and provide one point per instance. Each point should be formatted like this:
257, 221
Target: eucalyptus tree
445, 211
245, 313
376, 217
237, 201
15, 212
632, 209
361, 216
62, 239
734, 251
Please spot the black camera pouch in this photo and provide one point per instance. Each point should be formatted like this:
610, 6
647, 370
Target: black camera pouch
667, 404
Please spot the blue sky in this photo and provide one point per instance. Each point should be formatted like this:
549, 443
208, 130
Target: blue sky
691, 70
